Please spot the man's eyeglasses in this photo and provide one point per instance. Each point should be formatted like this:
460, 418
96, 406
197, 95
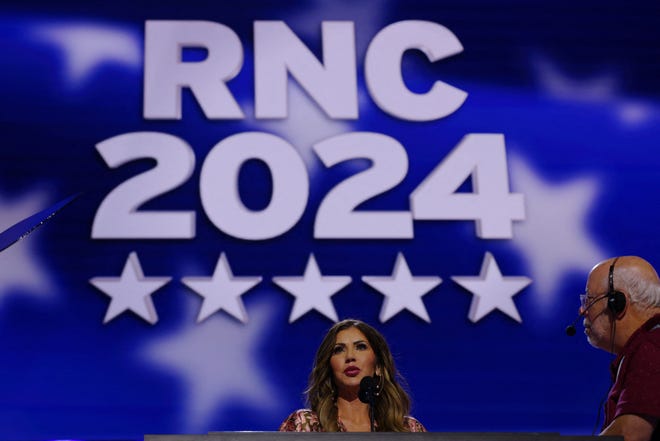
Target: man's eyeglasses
586, 300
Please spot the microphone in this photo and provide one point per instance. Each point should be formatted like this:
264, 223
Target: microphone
367, 394
367, 390
570, 329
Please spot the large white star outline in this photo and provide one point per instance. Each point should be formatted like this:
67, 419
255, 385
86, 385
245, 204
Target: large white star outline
402, 291
492, 291
20, 269
222, 291
555, 239
218, 363
312, 291
131, 291
87, 46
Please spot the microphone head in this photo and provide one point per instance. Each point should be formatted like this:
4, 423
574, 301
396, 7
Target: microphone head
366, 392
570, 330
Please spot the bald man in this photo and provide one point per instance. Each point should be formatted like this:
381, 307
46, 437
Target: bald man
621, 310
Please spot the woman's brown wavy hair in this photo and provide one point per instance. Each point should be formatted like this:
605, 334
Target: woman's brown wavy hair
392, 404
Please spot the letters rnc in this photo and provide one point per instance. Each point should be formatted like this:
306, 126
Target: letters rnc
278, 53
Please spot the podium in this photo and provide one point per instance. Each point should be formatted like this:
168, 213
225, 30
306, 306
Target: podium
374, 436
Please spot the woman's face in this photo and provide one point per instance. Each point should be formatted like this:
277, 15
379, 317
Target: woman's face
352, 359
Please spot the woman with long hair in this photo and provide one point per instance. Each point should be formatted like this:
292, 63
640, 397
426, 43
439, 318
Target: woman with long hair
349, 352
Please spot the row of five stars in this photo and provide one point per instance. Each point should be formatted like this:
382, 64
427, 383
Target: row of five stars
132, 291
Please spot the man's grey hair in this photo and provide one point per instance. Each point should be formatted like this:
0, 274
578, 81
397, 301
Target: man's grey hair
644, 292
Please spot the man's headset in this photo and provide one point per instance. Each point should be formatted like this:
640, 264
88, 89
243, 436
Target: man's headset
616, 301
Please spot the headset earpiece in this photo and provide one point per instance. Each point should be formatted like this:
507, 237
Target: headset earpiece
616, 300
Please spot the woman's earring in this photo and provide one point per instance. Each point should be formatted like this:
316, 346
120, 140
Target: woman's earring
379, 382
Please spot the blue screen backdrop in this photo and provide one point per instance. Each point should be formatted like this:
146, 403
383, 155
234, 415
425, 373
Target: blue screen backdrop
114, 337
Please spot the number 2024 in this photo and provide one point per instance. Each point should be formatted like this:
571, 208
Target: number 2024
480, 156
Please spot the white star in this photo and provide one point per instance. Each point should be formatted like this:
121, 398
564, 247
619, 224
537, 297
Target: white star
492, 291
20, 269
312, 291
601, 89
219, 363
132, 291
554, 238
368, 20
402, 291
305, 125
87, 46
222, 291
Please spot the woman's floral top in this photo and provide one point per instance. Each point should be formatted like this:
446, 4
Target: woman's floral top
305, 420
